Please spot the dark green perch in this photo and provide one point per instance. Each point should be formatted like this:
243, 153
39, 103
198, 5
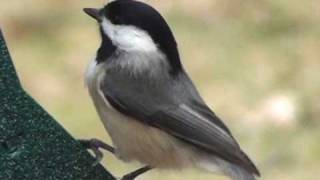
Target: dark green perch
33, 146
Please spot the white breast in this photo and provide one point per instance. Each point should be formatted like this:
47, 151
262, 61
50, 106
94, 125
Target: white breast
94, 75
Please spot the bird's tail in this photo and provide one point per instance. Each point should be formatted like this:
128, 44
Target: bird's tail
237, 173
233, 171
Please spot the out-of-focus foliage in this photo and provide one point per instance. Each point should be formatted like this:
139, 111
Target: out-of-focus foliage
257, 64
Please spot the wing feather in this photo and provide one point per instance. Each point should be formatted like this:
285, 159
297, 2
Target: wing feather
189, 120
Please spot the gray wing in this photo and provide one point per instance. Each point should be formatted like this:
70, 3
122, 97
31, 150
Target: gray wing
176, 108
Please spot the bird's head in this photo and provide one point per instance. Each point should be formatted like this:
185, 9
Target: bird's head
134, 26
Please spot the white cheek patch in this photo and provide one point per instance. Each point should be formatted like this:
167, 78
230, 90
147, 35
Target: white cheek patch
141, 55
108, 28
129, 38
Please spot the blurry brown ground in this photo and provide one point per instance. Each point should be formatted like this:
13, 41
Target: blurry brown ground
257, 64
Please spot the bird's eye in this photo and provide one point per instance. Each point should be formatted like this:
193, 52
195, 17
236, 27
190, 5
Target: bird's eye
117, 20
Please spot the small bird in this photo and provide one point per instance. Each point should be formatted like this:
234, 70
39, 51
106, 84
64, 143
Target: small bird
147, 102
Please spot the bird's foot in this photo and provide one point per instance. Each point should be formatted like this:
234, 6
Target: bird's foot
133, 175
95, 145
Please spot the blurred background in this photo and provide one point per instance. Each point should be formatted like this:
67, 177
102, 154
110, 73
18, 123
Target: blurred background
257, 64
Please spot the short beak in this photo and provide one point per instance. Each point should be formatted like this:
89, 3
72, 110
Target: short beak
93, 13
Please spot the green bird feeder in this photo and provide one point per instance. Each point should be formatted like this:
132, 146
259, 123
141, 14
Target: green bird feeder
33, 146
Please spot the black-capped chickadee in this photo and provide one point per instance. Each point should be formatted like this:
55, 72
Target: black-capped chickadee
148, 104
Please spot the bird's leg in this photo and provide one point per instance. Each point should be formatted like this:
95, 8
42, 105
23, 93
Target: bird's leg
135, 174
95, 145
